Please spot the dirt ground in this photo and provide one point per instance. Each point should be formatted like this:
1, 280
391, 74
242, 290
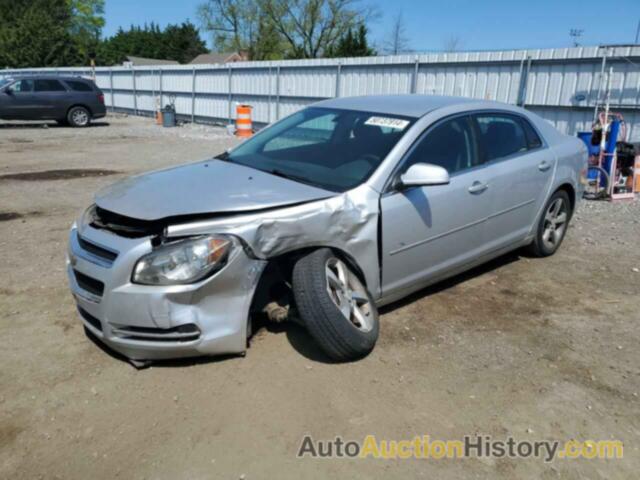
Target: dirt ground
539, 349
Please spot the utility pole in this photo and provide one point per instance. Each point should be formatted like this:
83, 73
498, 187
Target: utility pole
638, 33
576, 33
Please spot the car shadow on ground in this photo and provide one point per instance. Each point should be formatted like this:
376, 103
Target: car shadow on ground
298, 336
304, 344
448, 283
47, 125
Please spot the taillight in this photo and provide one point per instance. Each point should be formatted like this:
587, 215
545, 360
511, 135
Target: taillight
101, 98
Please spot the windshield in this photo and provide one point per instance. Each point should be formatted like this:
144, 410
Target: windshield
4, 81
331, 149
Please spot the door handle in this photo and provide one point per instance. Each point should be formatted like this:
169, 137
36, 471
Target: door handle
544, 166
478, 187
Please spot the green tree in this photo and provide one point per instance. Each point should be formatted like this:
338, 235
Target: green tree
353, 44
241, 26
183, 42
270, 29
36, 33
87, 21
269, 44
176, 42
313, 28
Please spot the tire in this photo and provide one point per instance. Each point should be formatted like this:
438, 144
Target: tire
550, 232
78, 117
341, 338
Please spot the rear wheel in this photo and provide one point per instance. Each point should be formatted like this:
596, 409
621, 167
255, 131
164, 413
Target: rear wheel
335, 306
78, 117
552, 227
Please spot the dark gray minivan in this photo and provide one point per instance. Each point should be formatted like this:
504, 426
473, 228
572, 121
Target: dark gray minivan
68, 100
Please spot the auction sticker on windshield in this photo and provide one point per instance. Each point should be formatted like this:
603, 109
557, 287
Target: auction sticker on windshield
395, 123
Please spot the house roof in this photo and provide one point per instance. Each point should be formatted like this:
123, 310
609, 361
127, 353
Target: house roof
149, 61
205, 58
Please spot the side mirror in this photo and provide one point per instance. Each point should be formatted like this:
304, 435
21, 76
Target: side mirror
424, 174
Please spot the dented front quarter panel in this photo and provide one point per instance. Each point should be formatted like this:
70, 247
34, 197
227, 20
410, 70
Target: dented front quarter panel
347, 222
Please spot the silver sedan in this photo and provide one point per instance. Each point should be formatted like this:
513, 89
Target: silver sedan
320, 218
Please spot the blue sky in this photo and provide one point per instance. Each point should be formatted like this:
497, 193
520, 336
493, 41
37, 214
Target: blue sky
481, 25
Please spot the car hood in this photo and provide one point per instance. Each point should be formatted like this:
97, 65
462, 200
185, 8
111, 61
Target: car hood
211, 186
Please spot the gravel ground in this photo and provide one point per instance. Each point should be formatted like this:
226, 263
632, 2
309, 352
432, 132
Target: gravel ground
538, 349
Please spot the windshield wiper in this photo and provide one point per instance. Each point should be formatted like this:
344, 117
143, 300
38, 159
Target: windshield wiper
224, 156
288, 176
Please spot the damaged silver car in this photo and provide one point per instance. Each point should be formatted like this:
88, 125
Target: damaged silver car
322, 217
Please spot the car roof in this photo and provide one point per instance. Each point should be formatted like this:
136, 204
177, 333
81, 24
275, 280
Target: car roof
404, 105
50, 77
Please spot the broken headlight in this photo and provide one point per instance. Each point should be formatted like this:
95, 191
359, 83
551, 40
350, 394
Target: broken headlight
185, 261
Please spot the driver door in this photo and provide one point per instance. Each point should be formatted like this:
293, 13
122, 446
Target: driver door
429, 231
18, 102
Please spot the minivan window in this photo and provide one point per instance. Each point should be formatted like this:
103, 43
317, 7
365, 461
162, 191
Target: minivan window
329, 148
22, 86
500, 135
48, 86
77, 86
450, 145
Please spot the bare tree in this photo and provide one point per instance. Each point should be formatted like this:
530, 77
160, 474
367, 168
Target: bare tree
312, 27
397, 41
453, 43
233, 24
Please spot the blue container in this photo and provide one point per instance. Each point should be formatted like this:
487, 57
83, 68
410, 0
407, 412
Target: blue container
168, 117
610, 147
586, 138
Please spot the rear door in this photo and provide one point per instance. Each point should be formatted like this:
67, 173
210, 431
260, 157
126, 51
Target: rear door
520, 169
18, 102
52, 99
428, 231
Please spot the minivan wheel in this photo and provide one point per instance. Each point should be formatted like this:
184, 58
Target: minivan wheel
335, 306
78, 117
552, 226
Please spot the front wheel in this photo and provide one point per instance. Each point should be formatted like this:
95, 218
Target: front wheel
335, 306
78, 117
552, 227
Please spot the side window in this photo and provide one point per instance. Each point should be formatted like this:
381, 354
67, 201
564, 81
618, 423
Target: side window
314, 131
77, 86
22, 86
533, 139
501, 135
450, 145
48, 86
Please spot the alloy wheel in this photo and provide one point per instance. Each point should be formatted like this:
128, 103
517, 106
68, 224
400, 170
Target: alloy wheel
348, 294
80, 117
555, 224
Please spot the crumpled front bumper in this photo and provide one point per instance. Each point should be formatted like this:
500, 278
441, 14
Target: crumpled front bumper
158, 322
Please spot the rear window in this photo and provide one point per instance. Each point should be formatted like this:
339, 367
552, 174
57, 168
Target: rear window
48, 86
77, 86
533, 139
501, 135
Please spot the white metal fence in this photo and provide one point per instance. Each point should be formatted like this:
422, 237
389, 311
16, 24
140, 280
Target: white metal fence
561, 85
